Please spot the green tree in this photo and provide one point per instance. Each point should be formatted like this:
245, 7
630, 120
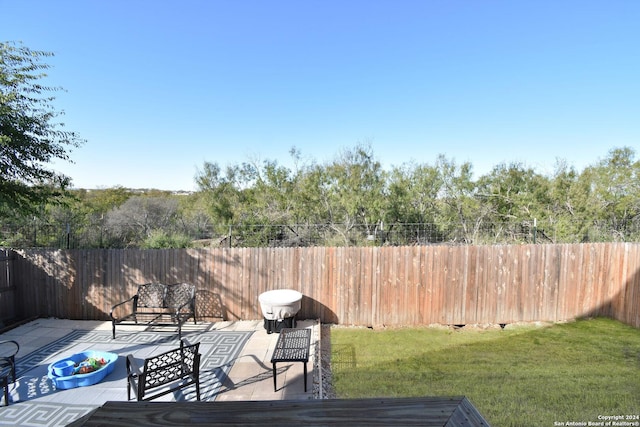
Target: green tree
354, 191
564, 219
613, 188
515, 195
273, 208
161, 239
461, 215
30, 135
412, 204
222, 190
194, 218
99, 202
413, 192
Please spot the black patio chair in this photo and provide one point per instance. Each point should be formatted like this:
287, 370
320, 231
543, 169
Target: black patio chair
8, 351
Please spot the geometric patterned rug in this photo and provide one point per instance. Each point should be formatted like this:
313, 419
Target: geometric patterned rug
219, 351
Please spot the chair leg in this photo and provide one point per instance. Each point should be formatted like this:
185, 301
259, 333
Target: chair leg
305, 377
5, 387
275, 387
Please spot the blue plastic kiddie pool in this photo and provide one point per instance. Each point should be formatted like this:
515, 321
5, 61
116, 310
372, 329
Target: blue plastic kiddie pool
62, 371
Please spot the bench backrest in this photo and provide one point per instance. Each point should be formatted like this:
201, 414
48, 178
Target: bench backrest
151, 295
172, 365
179, 294
158, 295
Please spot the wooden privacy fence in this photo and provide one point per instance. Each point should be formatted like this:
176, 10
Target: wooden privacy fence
416, 285
7, 288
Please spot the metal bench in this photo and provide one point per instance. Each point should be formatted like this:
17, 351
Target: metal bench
292, 346
171, 367
153, 303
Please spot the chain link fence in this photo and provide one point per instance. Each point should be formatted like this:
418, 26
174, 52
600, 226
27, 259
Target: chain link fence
98, 235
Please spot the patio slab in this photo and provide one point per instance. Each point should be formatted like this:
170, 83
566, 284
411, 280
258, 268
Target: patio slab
236, 366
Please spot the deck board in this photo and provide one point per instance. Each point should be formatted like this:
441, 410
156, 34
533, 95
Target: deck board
422, 411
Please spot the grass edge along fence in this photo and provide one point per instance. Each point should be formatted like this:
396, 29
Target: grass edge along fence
367, 286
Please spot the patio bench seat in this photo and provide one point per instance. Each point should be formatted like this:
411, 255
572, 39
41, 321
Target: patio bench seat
178, 368
292, 346
156, 304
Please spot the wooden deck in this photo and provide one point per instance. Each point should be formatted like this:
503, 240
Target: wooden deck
422, 411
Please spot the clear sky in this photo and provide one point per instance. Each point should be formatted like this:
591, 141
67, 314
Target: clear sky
158, 87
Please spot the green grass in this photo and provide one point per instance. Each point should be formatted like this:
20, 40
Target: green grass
525, 376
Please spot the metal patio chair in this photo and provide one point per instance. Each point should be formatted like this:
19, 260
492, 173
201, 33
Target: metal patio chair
8, 351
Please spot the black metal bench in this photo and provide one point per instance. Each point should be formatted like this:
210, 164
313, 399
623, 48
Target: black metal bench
292, 346
180, 367
153, 303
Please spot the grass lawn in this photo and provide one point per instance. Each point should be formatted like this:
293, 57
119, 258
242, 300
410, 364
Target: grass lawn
519, 376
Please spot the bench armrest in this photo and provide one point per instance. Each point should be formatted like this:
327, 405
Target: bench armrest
134, 378
181, 309
132, 367
133, 308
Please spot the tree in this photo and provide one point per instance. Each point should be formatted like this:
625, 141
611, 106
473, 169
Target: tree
613, 186
140, 217
564, 211
30, 136
412, 203
460, 216
516, 195
99, 202
354, 190
222, 191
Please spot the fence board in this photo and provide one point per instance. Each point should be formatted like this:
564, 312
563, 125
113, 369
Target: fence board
631, 313
438, 276
8, 295
399, 289
359, 286
415, 280
483, 261
549, 284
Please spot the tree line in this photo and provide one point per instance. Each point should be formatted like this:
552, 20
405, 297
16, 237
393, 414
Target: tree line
349, 201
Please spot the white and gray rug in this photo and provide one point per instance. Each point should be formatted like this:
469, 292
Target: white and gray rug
36, 402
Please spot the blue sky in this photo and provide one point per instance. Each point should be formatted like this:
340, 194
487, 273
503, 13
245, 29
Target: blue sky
158, 87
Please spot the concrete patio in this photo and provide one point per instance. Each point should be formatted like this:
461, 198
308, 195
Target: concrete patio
235, 366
